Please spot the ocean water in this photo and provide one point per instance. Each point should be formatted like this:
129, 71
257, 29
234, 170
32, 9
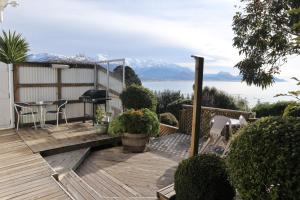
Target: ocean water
251, 93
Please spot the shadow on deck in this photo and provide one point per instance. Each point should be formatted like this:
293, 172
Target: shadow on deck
64, 138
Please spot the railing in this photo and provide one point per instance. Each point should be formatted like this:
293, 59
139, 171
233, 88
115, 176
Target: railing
186, 115
165, 129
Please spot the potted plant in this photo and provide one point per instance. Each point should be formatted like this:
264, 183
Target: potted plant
101, 121
135, 127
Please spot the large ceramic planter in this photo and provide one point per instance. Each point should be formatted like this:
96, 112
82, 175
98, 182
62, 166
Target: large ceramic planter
101, 128
135, 143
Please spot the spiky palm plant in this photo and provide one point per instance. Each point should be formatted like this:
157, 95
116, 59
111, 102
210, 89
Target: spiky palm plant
13, 47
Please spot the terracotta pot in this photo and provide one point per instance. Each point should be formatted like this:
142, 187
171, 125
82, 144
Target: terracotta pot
135, 143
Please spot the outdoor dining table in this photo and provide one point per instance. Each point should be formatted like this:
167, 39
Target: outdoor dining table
41, 105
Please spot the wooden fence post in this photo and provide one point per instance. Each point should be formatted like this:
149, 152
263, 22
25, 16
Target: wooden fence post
196, 129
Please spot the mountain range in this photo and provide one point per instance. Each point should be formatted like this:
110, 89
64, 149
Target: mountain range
147, 70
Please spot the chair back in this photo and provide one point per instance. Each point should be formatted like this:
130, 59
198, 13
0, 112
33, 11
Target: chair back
218, 125
61, 103
243, 121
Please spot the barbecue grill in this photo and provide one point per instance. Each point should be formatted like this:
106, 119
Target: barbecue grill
94, 97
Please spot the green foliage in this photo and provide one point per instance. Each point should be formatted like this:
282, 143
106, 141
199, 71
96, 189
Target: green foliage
176, 106
213, 97
137, 97
169, 119
203, 177
266, 33
100, 114
292, 110
165, 97
270, 109
264, 160
141, 121
294, 94
130, 76
116, 127
13, 48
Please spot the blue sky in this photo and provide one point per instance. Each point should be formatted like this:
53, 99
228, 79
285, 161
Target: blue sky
167, 30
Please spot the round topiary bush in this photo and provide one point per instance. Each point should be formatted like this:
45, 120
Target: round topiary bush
169, 119
264, 160
203, 177
138, 97
292, 110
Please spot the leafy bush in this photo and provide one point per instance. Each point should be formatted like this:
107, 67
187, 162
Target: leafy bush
116, 127
168, 118
138, 97
270, 109
165, 97
264, 160
176, 106
292, 110
130, 76
203, 177
141, 121
213, 97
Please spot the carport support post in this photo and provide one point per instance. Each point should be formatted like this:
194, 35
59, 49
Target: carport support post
196, 129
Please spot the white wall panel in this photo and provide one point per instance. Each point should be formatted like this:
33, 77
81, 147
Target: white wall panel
77, 75
37, 75
73, 93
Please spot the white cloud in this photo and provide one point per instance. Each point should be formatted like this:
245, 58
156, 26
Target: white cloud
169, 29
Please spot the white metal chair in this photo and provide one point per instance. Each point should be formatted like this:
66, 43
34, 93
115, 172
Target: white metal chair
61, 109
243, 121
215, 134
22, 110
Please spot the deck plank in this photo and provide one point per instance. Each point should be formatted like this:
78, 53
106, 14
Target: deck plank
63, 136
144, 173
24, 175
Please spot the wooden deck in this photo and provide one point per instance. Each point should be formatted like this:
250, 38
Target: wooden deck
25, 175
63, 138
113, 173
64, 162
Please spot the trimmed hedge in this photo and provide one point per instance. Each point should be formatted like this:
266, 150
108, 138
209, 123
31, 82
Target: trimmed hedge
264, 160
138, 97
169, 119
292, 110
176, 106
270, 109
203, 177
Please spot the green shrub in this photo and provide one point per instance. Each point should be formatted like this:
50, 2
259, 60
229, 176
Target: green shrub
137, 97
116, 127
176, 106
203, 177
164, 98
264, 160
270, 109
141, 121
292, 110
169, 119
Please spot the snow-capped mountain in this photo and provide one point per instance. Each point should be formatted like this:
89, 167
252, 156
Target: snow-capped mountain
147, 70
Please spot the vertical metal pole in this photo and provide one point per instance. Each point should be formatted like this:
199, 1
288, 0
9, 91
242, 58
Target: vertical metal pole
107, 86
196, 129
95, 77
123, 65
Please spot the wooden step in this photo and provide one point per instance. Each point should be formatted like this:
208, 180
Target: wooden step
78, 188
64, 162
166, 193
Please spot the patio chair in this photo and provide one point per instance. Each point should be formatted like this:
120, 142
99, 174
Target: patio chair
22, 110
215, 134
61, 109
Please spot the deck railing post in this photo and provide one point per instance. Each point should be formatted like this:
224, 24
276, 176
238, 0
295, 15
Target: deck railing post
196, 129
